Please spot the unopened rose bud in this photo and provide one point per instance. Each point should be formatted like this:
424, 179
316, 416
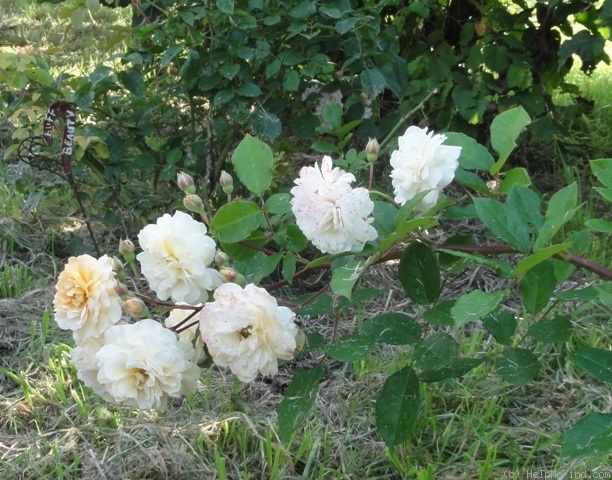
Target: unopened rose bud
372, 150
221, 259
231, 275
121, 289
117, 265
193, 203
227, 182
300, 340
185, 183
135, 307
126, 248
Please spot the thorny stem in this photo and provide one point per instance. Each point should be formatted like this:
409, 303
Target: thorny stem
371, 177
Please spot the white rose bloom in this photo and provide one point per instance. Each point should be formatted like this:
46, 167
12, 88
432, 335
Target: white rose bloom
331, 214
84, 359
422, 163
246, 330
190, 335
175, 258
142, 364
86, 301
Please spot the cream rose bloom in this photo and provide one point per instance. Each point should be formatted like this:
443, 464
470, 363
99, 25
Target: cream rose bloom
143, 364
175, 258
246, 330
84, 359
422, 163
85, 300
190, 335
331, 214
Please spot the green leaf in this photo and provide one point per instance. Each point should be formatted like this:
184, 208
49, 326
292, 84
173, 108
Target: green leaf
455, 368
267, 125
551, 330
226, 6
441, 315
350, 348
436, 352
473, 155
602, 169
384, 217
291, 81
504, 222
592, 435
298, 400
516, 176
419, 273
588, 46
278, 203
303, 10
526, 203
243, 253
373, 81
579, 295
505, 129
501, 324
596, 362
291, 238
404, 228
253, 162
517, 366
332, 114
475, 305
392, 328
289, 266
235, 221
537, 286
599, 225
519, 76
397, 407
561, 209
538, 257
344, 277
249, 89
321, 305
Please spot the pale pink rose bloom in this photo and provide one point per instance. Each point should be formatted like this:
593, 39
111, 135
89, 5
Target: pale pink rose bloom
334, 216
246, 330
420, 163
175, 258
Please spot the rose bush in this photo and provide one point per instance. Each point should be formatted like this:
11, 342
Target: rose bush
243, 327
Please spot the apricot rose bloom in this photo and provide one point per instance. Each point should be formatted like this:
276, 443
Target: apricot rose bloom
175, 258
420, 163
334, 216
246, 330
85, 300
143, 364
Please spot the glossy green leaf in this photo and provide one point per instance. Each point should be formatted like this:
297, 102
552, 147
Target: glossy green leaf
350, 348
517, 366
473, 155
226, 6
596, 362
298, 400
592, 435
398, 406
373, 81
516, 176
551, 330
435, 352
289, 266
537, 286
291, 237
456, 367
505, 130
561, 209
602, 169
344, 278
599, 225
419, 273
392, 328
526, 203
235, 221
278, 203
440, 315
253, 162
538, 257
501, 324
475, 305
504, 222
